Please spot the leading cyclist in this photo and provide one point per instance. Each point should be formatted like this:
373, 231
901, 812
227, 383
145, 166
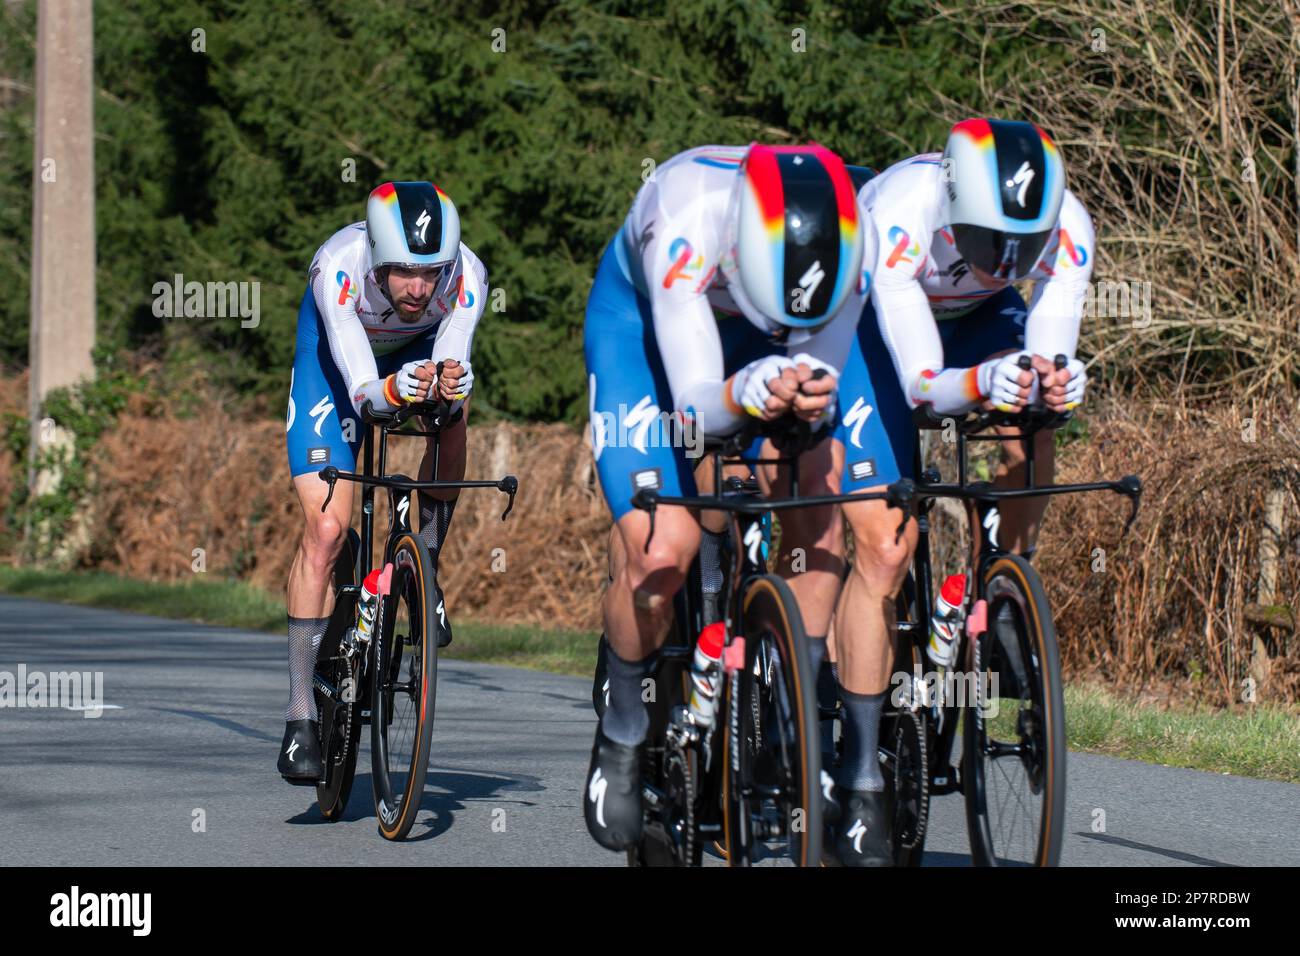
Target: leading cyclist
736, 275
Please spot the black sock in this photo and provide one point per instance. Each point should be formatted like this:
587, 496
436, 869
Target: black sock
435, 519
626, 721
861, 767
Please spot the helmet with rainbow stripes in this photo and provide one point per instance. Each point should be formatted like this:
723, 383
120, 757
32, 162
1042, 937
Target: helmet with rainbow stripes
1004, 182
795, 242
411, 224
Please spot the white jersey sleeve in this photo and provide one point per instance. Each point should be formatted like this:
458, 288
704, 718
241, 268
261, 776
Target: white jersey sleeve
903, 223
455, 336
337, 274
1063, 274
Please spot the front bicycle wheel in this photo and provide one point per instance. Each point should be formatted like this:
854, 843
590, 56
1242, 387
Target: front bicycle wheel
771, 747
1013, 761
403, 686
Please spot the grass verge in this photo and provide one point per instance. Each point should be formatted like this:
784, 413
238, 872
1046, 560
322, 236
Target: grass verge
1263, 741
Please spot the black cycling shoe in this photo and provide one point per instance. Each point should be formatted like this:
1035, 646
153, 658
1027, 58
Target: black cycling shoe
600, 682
862, 835
442, 623
611, 799
300, 761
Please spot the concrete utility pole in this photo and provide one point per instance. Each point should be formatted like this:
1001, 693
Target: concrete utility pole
63, 216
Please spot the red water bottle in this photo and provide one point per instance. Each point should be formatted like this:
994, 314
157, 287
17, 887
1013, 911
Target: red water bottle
704, 672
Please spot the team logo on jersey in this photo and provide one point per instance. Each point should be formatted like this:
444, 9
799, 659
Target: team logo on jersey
463, 295
686, 265
1070, 253
346, 289
905, 250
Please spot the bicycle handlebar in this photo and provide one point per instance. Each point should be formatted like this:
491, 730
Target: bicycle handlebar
1030, 418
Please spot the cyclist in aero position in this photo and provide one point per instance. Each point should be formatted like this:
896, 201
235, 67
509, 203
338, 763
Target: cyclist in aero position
769, 237
387, 300
954, 232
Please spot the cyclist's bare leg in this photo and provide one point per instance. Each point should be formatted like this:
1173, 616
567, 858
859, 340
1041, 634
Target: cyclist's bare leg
638, 603
309, 594
811, 556
1019, 520
451, 459
864, 617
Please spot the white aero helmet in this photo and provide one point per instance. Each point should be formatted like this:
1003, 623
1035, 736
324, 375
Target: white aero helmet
795, 237
412, 224
1004, 182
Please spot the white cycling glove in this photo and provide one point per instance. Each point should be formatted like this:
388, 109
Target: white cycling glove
466, 381
1078, 382
749, 385
999, 381
408, 386
828, 414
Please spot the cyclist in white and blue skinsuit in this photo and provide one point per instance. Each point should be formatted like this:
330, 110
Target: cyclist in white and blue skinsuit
736, 275
387, 300
945, 326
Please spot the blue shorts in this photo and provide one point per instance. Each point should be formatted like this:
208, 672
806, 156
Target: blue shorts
872, 456
321, 418
635, 444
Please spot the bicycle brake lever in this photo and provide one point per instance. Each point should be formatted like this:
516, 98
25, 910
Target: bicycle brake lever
902, 495
510, 485
331, 476
1131, 486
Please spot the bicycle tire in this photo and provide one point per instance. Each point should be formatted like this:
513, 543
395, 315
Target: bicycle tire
340, 769
397, 803
770, 618
1019, 625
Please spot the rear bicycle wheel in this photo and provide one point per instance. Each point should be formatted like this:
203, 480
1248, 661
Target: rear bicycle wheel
1013, 761
337, 687
771, 748
403, 686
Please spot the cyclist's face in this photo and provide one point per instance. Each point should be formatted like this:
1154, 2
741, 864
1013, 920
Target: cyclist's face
411, 289
986, 280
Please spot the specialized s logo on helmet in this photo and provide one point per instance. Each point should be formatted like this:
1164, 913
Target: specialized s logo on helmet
796, 238
411, 224
1005, 186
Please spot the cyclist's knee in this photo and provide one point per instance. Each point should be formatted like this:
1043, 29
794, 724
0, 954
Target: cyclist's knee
323, 538
881, 555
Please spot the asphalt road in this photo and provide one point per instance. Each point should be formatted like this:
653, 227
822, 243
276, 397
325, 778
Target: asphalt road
180, 769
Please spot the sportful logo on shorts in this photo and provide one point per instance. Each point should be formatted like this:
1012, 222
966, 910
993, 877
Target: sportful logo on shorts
863, 469
318, 456
647, 478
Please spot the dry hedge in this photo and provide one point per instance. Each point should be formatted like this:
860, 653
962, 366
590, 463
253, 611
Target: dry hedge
1164, 611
